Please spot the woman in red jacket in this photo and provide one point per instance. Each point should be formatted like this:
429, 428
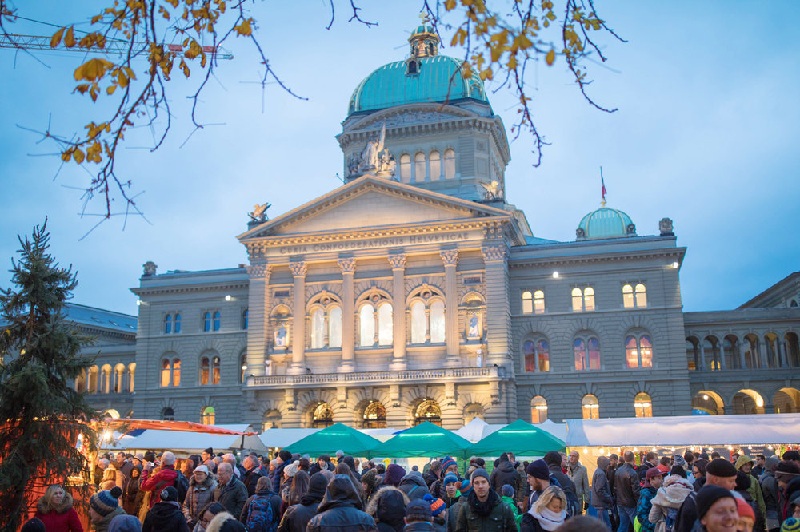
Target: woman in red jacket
56, 511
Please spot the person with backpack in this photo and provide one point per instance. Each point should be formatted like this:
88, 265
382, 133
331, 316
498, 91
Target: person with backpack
574, 507
261, 512
163, 477
166, 514
667, 502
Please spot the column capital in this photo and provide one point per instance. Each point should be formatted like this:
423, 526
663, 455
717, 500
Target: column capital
259, 270
494, 253
347, 264
299, 268
397, 260
449, 257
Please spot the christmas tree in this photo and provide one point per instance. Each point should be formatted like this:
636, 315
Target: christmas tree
41, 414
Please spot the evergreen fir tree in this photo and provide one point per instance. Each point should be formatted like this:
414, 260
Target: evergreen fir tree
41, 415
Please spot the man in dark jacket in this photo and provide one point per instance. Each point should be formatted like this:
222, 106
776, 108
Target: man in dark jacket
626, 486
251, 474
413, 485
339, 509
506, 473
553, 460
296, 517
650, 461
601, 499
719, 472
166, 515
284, 459
231, 492
484, 510
433, 474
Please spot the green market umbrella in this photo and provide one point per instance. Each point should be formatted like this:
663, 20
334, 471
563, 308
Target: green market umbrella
337, 437
424, 440
520, 438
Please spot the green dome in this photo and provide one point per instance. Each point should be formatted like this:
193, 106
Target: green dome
436, 81
605, 223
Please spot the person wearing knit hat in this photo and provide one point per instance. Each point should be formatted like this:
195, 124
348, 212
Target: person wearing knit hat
483, 508
394, 474
33, 524
719, 473
652, 481
449, 465
791, 525
716, 509
478, 473
538, 475
166, 515
418, 516
103, 507
744, 465
225, 522
125, 523
747, 517
297, 516
438, 511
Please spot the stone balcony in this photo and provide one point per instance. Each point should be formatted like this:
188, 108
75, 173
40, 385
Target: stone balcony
376, 377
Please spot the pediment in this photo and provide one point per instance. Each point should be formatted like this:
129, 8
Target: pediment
372, 203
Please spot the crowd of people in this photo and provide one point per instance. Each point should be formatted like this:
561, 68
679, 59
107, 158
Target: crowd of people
292, 493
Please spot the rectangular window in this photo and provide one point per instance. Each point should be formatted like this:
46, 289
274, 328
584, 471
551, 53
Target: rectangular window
527, 303
538, 302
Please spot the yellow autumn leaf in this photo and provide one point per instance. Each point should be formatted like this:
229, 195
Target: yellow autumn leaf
69, 38
110, 89
449, 5
244, 28
56, 38
550, 58
78, 155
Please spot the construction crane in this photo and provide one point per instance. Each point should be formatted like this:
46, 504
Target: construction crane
112, 46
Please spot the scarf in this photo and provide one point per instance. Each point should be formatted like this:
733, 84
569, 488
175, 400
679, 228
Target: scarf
548, 519
484, 508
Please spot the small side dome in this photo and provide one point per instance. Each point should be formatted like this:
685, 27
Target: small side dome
605, 223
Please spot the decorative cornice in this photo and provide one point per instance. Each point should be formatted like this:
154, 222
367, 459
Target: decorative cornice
517, 263
347, 264
259, 271
494, 253
449, 257
185, 289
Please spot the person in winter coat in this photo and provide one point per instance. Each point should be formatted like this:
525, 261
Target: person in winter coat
579, 476
339, 509
413, 485
369, 484
394, 474
388, 508
601, 500
652, 482
55, 510
103, 507
553, 460
547, 513
262, 511
626, 484
506, 473
296, 517
433, 474
769, 489
156, 482
125, 523
225, 522
200, 493
507, 496
716, 510
483, 509
230, 492
166, 514
667, 501
419, 517
745, 464
284, 459
131, 494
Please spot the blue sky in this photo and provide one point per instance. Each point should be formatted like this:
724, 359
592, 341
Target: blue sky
706, 134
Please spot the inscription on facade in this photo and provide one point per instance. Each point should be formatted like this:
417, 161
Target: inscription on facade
373, 243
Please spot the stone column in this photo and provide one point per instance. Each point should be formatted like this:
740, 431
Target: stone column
702, 356
298, 366
348, 266
498, 311
721, 349
398, 264
783, 349
450, 260
258, 340
762, 351
742, 343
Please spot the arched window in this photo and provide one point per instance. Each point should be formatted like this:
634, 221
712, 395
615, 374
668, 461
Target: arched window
93, 374
367, 328
437, 322
643, 405
385, 324
428, 316
405, 168
335, 327
590, 407
587, 353
166, 372
374, 416
527, 302
428, 410
131, 379
168, 324
105, 379
583, 299
436, 166
538, 302
638, 351
206, 322
322, 416
168, 413
640, 292
245, 319
207, 415
209, 370
119, 378
449, 163
634, 297
419, 324
317, 328
326, 321
217, 320
420, 169
537, 355
538, 409
177, 323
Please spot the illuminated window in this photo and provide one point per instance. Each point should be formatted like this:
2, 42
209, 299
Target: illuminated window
537, 355
634, 297
367, 321
374, 416
643, 405
209, 370
538, 409
207, 416
583, 299
243, 359
527, 302
170, 372
436, 166
449, 164
590, 407
420, 170
638, 351
322, 416
428, 410
427, 317
538, 302
587, 353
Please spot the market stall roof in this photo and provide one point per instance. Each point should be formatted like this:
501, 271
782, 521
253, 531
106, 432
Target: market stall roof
184, 426
424, 440
520, 437
284, 437
477, 429
190, 442
336, 437
760, 429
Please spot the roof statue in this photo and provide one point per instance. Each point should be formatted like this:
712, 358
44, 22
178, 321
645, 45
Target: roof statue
259, 214
493, 190
374, 158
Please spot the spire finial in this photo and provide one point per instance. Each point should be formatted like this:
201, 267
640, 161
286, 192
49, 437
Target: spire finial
602, 189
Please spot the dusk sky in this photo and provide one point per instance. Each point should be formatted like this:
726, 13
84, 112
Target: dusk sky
706, 134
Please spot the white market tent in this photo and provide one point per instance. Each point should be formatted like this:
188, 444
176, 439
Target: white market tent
477, 429
683, 431
187, 442
284, 437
